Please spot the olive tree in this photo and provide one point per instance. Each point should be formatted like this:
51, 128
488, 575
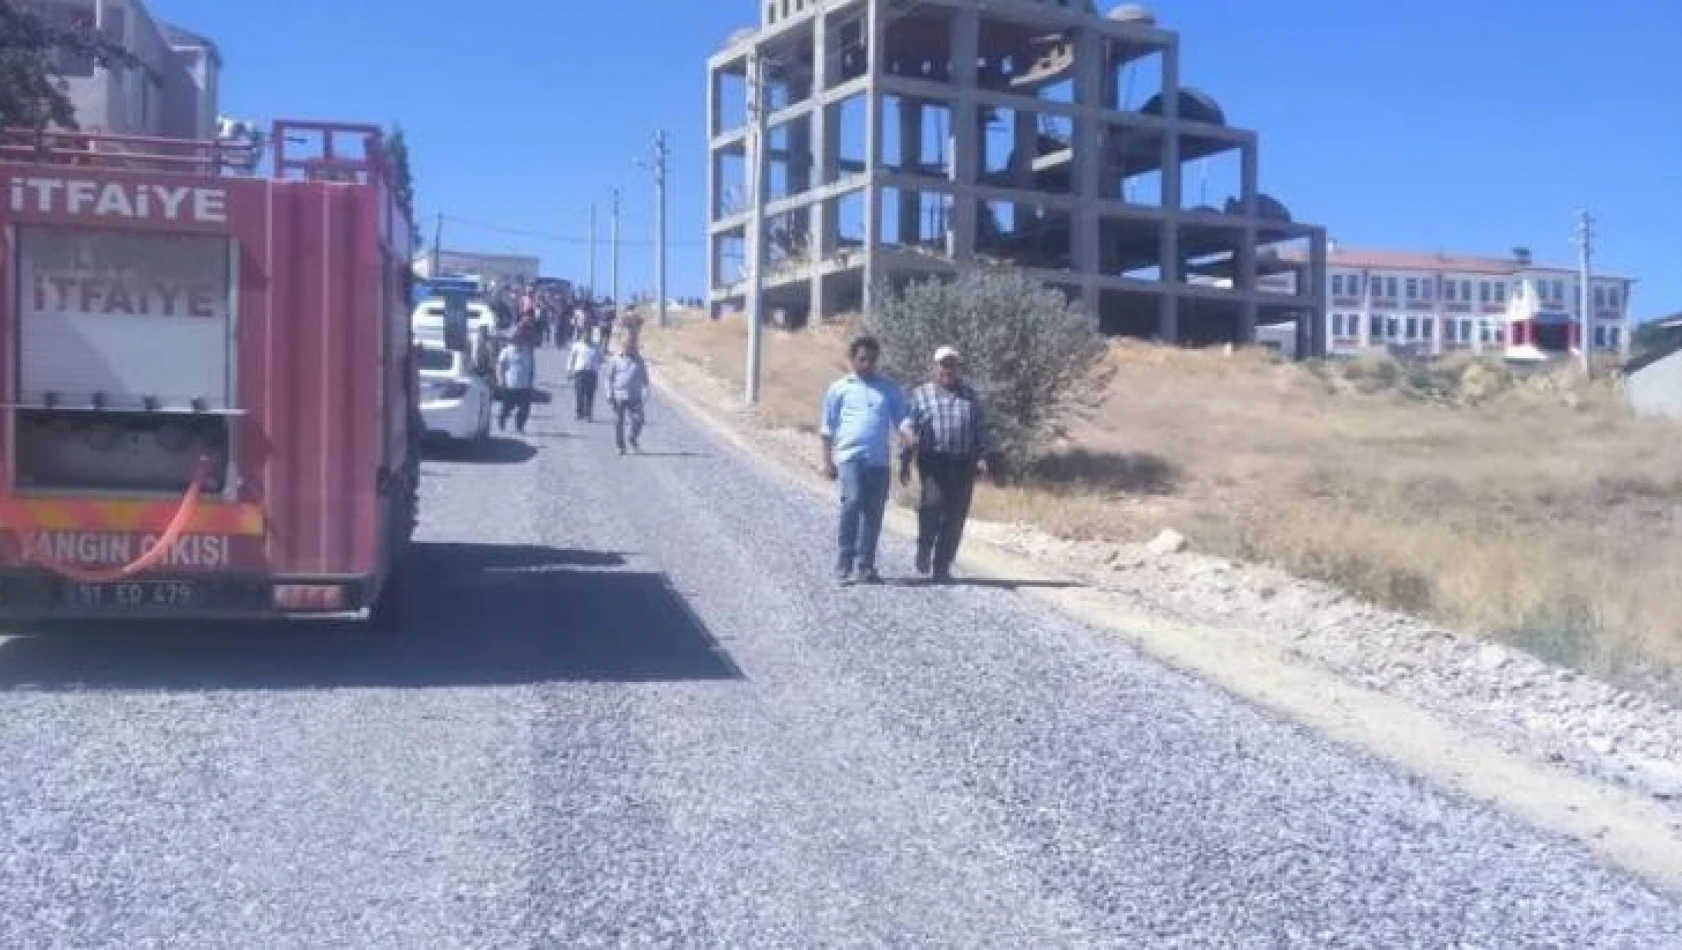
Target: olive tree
1033, 357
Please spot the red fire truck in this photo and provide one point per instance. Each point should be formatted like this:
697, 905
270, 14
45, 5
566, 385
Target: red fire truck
210, 393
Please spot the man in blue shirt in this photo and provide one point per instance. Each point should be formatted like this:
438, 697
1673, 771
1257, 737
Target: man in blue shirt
517, 368
862, 414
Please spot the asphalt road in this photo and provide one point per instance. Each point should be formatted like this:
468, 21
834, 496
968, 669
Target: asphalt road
633, 709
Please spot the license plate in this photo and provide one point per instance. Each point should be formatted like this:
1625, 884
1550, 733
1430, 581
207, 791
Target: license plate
132, 595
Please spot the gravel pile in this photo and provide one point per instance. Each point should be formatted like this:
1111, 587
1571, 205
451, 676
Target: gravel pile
1630, 737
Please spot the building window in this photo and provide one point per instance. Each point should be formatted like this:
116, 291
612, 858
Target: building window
1466, 291
1599, 297
1413, 288
1501, 335
1500, 291
1559, 291
1391, 325
1390, 287
1427, 288
1612, 294
1448, 290
1600, 338
1483, 291
1337, 285
1412, 329
1375, 328
1427, 329
1615, 337
1337, 324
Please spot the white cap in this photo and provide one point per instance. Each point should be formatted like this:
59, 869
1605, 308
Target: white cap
947, 353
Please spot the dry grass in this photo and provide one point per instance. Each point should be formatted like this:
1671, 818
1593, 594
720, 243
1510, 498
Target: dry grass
1533, 510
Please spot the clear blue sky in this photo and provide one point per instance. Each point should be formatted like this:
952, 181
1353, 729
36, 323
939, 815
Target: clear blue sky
1469, 126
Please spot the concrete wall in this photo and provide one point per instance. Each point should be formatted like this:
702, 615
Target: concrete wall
1656, 389
175, 96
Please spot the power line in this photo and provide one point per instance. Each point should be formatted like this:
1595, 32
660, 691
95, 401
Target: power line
552, 237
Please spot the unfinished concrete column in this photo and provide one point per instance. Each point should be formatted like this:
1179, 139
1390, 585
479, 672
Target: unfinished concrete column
874, 31
1168, 316
1025, 147
966, 132
1249, 197
1317, 288
910, 162
1245, 281
1168, 308
1250, 192
798, 157
1089, 159
1025, 137
715, 108
713, 114
822, 165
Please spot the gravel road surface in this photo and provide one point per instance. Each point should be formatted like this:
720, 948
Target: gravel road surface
633, 709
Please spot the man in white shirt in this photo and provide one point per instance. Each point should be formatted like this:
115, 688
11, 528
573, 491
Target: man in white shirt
583, 365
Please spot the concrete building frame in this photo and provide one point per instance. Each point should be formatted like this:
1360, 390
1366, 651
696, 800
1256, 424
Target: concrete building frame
1062, 207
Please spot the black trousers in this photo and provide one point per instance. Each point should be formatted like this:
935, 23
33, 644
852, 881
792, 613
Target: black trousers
584, 388
948, 488
516, 403
627, 412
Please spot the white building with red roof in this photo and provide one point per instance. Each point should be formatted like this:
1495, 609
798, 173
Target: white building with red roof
1431, 304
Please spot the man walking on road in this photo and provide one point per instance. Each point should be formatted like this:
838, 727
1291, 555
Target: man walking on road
627, 388
950, 432
861, 413
583, 364
518, 368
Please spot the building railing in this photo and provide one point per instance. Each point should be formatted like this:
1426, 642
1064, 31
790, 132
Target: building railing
105, 150
296, 150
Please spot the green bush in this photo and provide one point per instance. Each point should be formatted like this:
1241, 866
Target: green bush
1033, 358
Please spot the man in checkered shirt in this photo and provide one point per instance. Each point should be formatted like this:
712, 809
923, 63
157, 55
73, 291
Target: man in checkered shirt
949, 428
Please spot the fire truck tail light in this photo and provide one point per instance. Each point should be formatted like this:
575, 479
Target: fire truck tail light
323, 597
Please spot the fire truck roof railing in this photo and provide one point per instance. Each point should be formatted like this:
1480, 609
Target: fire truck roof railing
296, 150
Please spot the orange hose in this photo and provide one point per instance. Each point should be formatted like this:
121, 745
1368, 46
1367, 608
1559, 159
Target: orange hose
166, 542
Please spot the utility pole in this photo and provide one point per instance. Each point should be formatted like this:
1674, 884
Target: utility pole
592, 282
437, 242
661, 156
1585, 314
658, 165
757, 114
617, 308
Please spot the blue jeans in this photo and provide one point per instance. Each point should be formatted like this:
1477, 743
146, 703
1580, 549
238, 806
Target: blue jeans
864, 500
